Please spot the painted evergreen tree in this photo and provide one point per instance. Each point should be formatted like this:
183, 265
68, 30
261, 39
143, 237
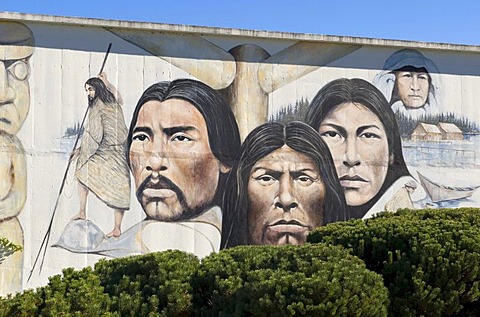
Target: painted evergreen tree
71, 131
292, 112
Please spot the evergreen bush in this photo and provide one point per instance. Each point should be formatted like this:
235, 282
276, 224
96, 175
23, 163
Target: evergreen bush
155, 284
429, 259
76, 293
310, 280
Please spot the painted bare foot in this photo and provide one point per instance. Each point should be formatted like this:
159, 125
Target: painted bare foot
115, 233
79, 216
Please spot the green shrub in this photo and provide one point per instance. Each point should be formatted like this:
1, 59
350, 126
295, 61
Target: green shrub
429, 259
24, 304
469, 215
76, 293
155, 284
310, 280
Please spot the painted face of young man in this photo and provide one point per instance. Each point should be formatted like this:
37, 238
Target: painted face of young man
412, 88
175, 172
358, 142
285, 198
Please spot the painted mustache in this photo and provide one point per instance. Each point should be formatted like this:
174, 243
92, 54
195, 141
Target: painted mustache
162, 183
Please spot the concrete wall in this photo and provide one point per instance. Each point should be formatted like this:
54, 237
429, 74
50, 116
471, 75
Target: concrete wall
262, 75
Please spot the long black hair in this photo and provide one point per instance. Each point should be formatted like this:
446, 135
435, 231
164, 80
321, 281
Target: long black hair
223, 134
101, 90
262, 141
360, 91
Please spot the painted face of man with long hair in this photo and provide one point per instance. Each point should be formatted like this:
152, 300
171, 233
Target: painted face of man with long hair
285, 195
173, 166
282, 186
181, 144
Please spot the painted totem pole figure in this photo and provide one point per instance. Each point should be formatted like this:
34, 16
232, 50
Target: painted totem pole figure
410, 83
16, 47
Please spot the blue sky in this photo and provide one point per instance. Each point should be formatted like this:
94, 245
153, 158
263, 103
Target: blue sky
441, 21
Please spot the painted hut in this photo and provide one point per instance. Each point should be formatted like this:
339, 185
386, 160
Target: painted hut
426, 132
450, 131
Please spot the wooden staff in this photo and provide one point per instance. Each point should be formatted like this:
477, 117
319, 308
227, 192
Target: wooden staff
105, 59
46, 238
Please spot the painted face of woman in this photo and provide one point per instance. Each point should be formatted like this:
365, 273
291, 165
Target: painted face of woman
359, 146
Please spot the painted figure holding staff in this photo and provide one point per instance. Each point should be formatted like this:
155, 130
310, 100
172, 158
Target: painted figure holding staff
101, 166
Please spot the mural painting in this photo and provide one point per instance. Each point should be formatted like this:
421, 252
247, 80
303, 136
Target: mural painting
16, 47
204, 141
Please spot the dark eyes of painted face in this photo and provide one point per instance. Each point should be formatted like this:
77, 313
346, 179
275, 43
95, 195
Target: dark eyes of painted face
265, 179
181, 138
330, 134
140, 137
409, 75
423, 76
175, 138
305, 180
370, 135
